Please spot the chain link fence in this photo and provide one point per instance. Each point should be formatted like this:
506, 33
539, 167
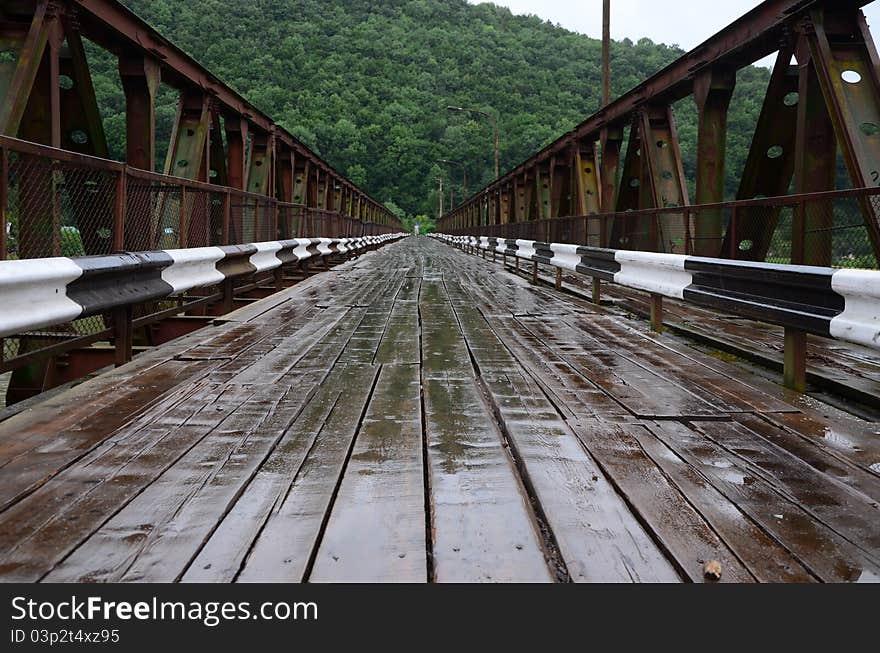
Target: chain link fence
57, 203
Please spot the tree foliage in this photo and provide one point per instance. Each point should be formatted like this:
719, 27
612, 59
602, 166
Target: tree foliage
366, 83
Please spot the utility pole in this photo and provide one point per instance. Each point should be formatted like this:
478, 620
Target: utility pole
440, 179
606, 52
451, 186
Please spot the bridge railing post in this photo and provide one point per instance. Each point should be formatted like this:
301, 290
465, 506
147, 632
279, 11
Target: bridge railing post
656, 313
227, 217
123, 316
182, 219
123, 333
119, 211
732, 235
4, 201
795, 368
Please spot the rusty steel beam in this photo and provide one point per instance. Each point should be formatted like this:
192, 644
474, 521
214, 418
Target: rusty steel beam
769, 166
753, 36
18, 77
713, 91
815, 167
189, 138
117, 29
140, 82
846, 64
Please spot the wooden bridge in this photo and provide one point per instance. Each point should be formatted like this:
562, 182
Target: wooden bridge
242, 370
421, 414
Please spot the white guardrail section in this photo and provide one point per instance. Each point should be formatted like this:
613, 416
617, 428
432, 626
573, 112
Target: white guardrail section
37, 293
836, 303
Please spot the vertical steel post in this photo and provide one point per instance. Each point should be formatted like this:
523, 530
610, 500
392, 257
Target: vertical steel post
123, 334
119, 212
182, 222
606, 53
795, 374
140, 78
815, 167
4, 201
656, 313
227, 216
713, 91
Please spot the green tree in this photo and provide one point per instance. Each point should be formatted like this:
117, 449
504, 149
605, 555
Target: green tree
365, 84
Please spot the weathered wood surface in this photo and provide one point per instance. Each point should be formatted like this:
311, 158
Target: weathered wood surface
842, 366
419, 414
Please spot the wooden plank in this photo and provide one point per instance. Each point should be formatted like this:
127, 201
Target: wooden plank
288, 349
724, 391
283, 550
482, 523
376, 531
223, 554
815, 454
684, 533
37, 447
645, 393
42, 529
444, 352
154, 537
400, 341
572, 392
823, 494
825, 553
575, 394
484, 530
599, 538
851, 439
765, 558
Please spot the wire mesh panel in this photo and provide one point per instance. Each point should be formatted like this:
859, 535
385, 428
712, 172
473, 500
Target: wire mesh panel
851, 245
152, 219
195, 217
289, 221
217, 218
265, 227
58, 208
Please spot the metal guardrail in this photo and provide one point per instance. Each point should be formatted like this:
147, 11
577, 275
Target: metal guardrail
843, 304
761, 229
65, 317
56, 204
43, 292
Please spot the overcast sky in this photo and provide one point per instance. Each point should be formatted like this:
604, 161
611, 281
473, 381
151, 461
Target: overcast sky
686, 23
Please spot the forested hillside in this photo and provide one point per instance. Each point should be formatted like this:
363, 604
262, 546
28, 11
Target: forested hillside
366, 83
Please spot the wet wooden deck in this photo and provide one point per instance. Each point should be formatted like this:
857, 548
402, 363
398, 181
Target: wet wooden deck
833, 366
420, 414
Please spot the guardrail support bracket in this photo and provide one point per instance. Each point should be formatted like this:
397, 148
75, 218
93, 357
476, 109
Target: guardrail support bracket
795, 375
123, 334
656, 312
